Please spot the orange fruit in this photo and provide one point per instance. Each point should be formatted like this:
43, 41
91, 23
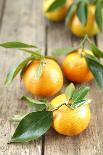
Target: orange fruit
67, 121
56, 15
90, 28
50, 82
75, 67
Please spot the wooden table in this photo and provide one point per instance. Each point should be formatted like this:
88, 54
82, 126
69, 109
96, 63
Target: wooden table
23, 20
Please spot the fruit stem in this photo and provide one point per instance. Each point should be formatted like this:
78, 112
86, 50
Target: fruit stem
82, 44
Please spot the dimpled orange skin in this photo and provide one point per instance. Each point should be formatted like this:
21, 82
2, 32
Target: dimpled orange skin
50, 82
70, 122
75, 68
90, 28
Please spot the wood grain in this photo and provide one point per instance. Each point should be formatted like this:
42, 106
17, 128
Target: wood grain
20, 22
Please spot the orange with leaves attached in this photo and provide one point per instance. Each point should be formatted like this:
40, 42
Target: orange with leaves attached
56, 15
67, 121
90, 28
49, 83
75, 67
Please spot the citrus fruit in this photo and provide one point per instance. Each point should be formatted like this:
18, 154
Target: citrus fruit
90, 28
50, 82
75, 67
67, 121
56, 15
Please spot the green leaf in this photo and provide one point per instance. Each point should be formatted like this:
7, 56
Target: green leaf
56, 5
15, 69
96, 69
79, 103
63, 51
96, 51
33, 126
93, 1
70, 13
80, 94
37, 105
69, 90
99, 15
16, 44
39, 70
82, 12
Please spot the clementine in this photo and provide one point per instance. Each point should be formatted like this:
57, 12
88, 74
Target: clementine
67, 121
90, 28
75, 67
56, 15
50, 82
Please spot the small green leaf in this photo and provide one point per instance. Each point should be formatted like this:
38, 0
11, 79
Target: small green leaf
93, 1
79, 103
63, 51
70, 13
80, 94
82, 12
96, 51
99, 15
69, 90
37, 105
16, 44
33, 126
15, 69
56, 5
96, 69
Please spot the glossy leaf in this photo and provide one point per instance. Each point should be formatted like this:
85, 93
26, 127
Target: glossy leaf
79, 103
96, 69
82, 12
37, 105
69, 90
97, 52
99, 15
33, 126
55, 5
70, 13
15, 69
80, 93
63, 51
16, 44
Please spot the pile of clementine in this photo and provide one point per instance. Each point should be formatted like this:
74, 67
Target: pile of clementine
68, 113
81, 17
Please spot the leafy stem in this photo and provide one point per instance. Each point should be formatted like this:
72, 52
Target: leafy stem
84, 39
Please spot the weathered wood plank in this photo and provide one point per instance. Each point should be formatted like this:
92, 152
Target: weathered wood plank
100, 41
20, 22
90, 141
2, 4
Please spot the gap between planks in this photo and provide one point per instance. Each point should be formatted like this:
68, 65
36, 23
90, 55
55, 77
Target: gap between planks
2, 9
45, 53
